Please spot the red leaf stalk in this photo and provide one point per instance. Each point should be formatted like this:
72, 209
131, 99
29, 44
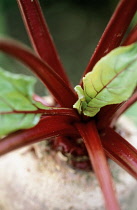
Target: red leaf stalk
119, 150
40, 36
93, 144
48, 127
131, 38
114, 31
64, 95
108, 115
123, 108
48, 112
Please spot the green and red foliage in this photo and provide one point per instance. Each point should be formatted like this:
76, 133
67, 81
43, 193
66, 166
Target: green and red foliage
65, 126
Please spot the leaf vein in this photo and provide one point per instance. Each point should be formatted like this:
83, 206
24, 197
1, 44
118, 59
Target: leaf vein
116, 76
6, 102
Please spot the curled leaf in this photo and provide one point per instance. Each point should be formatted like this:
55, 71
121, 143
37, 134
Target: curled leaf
112, 80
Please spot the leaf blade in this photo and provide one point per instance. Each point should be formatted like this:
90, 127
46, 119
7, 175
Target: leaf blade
16, 94
14, 122
111, 81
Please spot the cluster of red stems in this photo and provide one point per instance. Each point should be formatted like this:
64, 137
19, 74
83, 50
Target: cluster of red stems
65, 127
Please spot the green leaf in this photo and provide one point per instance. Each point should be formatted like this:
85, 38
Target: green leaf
16, 93
112, 80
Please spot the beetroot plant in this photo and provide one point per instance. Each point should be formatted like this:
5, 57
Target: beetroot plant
81, 122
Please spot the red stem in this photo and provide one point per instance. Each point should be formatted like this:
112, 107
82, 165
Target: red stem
40, 36
48, 127
49, 112
114, 31
131, 38
64, 95
109, 114
119, 150
106, 115
123, 108
93, 144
